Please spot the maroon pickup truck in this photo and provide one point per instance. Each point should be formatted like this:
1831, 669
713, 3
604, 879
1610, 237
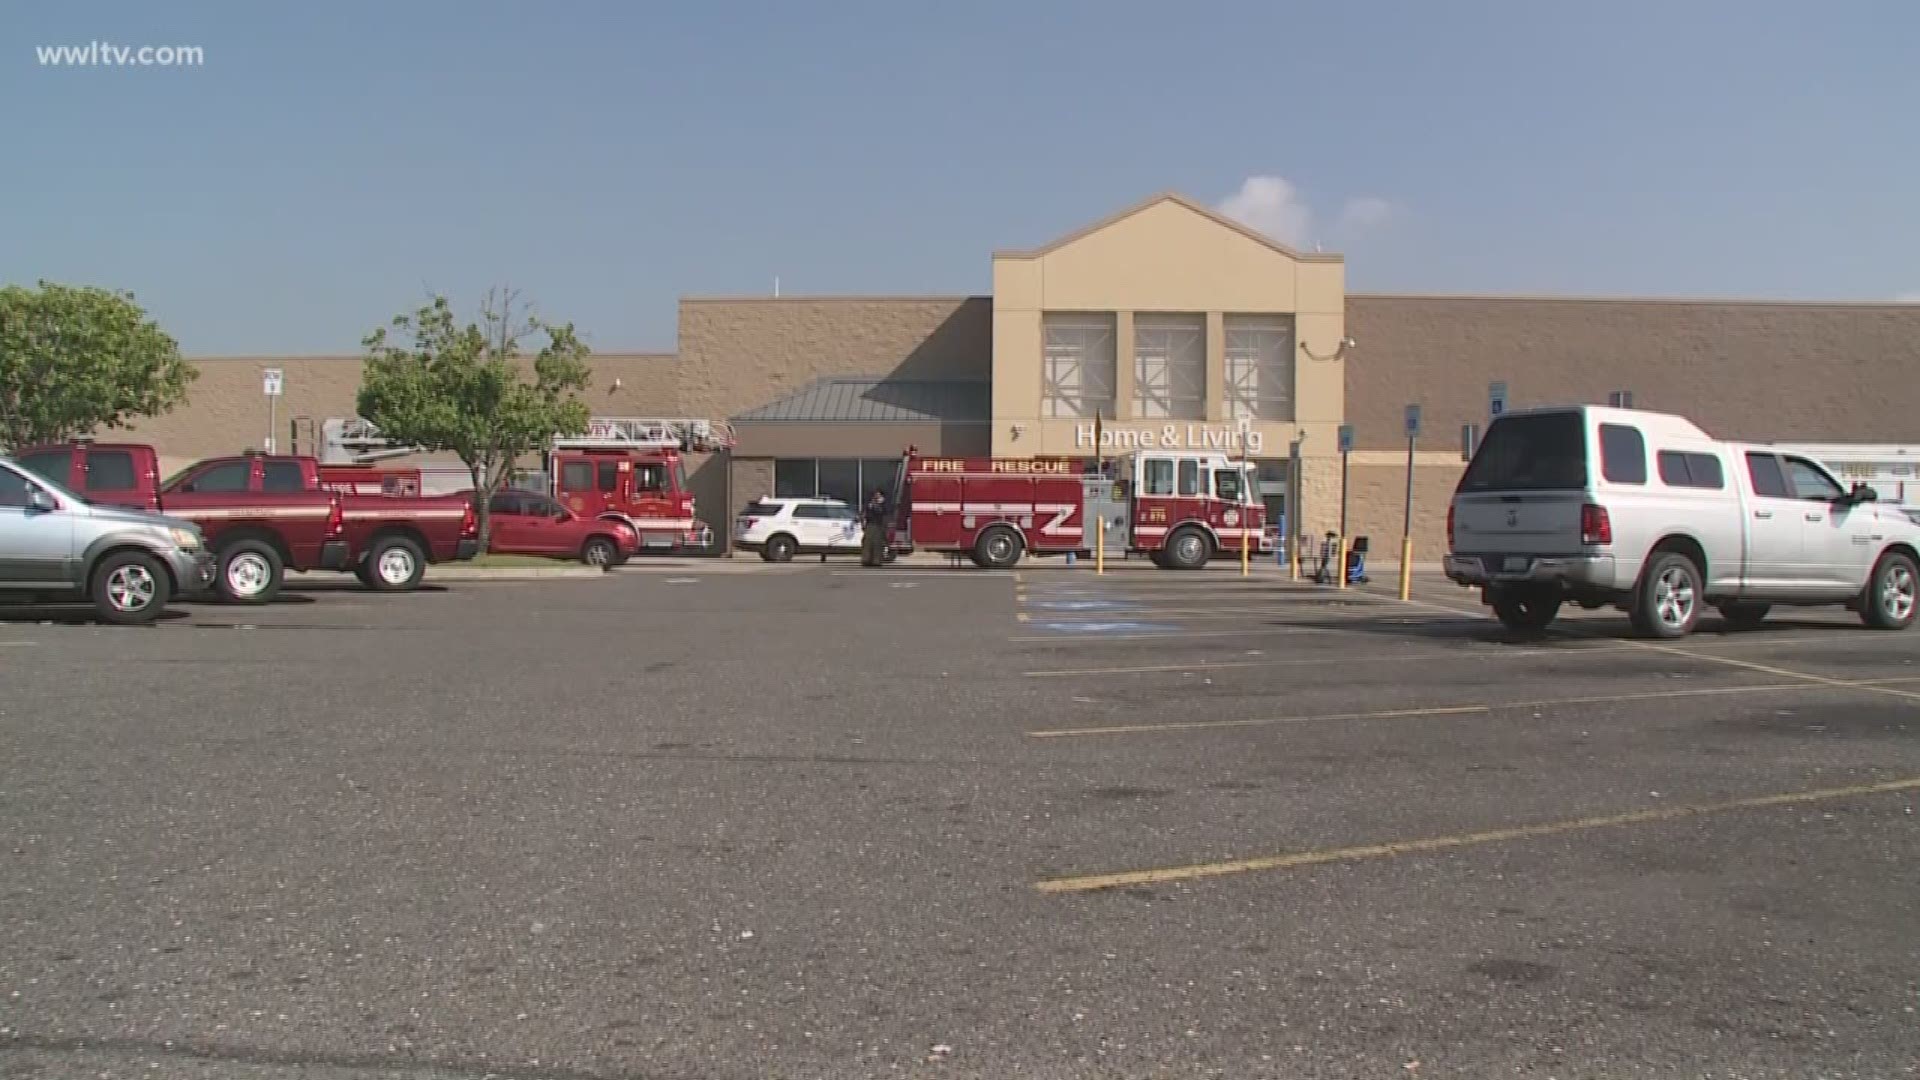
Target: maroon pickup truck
264, 514
254, 536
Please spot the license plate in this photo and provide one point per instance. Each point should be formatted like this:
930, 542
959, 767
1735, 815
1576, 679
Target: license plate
1515, 562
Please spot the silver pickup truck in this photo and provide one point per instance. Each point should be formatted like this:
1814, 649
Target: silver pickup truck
55, 546
1646, 512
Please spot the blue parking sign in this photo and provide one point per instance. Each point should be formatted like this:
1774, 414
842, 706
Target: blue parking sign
1496, 399
1346, 438
1413, 421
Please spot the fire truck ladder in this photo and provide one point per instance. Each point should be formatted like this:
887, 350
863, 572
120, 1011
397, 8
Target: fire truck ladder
648, 433
353, 441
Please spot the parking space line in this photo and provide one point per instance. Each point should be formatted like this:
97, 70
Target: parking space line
1063, 637
1093, 882
1457, 710
1672, 650
16, 644
1517, 652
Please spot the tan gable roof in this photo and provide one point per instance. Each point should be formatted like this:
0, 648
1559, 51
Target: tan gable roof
1186, 203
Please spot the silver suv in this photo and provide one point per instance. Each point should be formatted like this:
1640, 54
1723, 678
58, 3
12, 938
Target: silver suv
54, 545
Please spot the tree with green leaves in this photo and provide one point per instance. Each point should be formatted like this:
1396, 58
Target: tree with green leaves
75, 359
465, 389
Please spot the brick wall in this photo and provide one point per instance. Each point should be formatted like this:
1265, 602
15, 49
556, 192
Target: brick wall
1762, 371
738, 354
226, 412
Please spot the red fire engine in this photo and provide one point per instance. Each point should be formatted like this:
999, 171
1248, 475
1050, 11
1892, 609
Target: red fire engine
628, 468
1178, 508
633, 469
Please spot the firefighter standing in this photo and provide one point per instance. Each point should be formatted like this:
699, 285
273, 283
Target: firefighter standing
873, 543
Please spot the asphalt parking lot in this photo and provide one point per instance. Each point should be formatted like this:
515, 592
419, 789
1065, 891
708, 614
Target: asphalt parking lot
820, 821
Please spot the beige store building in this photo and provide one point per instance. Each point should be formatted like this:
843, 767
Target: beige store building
1175, 325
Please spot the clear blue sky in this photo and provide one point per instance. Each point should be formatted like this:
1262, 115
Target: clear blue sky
331, 162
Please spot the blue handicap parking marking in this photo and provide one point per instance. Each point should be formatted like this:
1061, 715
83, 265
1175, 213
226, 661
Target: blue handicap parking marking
1106, 627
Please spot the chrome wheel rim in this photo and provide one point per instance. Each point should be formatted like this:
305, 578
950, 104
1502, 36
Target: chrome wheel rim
597, 554
247, 574
1673, 598
1189, 548
396, 566
130, 588
1897, 592
1000, 548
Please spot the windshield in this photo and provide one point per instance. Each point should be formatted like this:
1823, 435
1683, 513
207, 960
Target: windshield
167, 485
1547, 452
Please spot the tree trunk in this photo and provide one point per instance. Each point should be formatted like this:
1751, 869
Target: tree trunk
482, 508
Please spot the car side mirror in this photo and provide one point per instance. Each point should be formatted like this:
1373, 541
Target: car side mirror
38, 499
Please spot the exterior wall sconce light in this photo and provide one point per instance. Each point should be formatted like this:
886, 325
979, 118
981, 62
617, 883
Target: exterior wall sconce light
1347, 345
1018, 430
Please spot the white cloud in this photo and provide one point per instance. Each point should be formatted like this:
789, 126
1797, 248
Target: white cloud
1272, 205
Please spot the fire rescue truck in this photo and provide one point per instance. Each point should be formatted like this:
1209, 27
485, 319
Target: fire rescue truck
631, 469
1178, 508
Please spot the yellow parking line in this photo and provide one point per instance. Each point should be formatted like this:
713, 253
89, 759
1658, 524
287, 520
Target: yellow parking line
1092, 882
1020, 616
1767, 669
1456, 710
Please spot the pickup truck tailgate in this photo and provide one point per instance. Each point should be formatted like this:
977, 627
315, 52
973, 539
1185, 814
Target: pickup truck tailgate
1526, 522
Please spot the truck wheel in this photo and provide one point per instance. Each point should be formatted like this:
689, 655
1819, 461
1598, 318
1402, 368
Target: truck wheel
395, 564
1530, 608
1891, 593
1666, 603
1188, 549
129, 589
1744, 615
997, 548
781, 548
599, 551
250, 572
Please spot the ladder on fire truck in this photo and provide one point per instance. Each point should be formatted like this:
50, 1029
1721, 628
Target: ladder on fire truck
353, 440
649, 433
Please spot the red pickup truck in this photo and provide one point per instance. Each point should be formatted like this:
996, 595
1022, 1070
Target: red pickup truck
263, 515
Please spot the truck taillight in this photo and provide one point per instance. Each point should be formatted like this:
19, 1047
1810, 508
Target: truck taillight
1595, 526
336, 519
1450, 543
469, 522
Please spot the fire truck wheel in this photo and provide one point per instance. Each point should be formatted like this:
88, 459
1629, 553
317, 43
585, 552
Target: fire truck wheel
997, 548
781, 548
395, 564
1188, 549
250, 572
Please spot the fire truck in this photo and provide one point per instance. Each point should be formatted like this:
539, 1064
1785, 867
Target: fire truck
1178, 508
631, 469
634, 470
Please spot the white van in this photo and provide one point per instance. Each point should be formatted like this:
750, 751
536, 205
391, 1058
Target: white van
1646, 512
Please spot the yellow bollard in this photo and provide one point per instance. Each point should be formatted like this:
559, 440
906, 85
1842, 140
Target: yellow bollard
1293, 559
1100, 545
1406, 568
1246, 552
1342, 564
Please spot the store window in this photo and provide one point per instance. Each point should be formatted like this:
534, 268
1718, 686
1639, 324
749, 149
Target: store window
1170, 366
1079, 371
847, 479
1259, 361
